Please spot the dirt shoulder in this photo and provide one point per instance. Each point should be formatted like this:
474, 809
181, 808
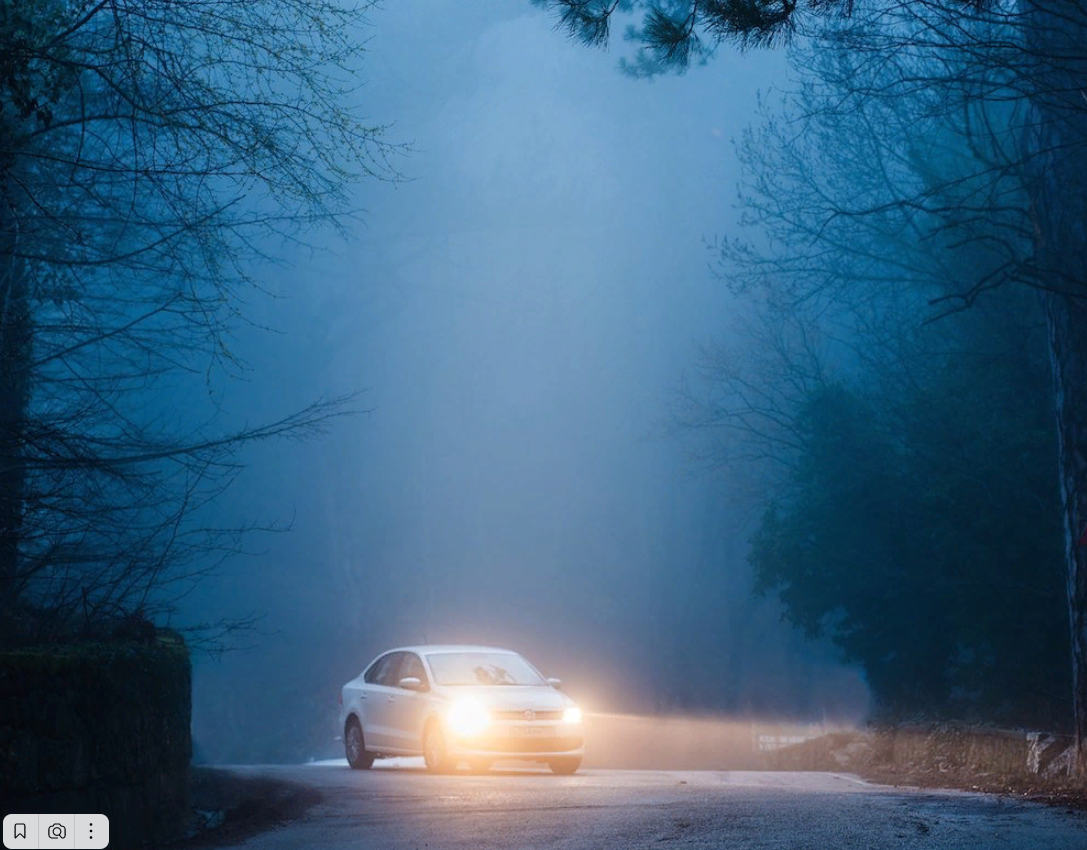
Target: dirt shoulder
228, 807
1013, 763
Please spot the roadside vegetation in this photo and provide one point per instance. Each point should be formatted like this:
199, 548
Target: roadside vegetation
153, 156
911, 391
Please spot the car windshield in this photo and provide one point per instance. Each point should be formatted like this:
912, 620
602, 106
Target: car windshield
482, 668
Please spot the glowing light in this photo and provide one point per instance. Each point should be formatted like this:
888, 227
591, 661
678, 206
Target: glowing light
467, 717
572, 715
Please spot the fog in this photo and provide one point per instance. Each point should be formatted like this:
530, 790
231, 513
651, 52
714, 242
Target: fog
518, 310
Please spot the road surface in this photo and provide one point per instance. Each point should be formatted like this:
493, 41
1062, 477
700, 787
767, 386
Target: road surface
401, 807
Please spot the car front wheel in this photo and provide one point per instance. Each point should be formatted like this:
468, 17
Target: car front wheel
434, 752
564, 767
355, 747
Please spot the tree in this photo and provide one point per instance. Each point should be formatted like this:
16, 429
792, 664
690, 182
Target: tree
1039, 45
920, 529
912, 516
152, 154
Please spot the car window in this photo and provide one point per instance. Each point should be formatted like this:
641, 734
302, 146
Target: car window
412, 665
392, 675
482, 668
377, 672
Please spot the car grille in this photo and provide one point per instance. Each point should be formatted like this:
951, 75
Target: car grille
520, 715
528, 745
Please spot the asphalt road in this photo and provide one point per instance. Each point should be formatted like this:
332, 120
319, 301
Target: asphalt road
403, 807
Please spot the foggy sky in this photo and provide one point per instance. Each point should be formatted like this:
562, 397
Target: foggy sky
518, 311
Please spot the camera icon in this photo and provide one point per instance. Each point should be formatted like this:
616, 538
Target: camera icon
56, 831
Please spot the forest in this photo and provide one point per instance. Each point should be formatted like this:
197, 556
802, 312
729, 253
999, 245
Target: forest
919, 266
308, 349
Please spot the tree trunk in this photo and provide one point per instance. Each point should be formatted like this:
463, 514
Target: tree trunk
15, 348
1066, 319
1054, 66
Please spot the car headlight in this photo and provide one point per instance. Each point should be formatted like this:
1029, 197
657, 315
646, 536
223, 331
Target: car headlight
572, 715
467, 717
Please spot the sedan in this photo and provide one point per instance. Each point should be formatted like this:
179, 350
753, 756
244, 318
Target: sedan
454, 704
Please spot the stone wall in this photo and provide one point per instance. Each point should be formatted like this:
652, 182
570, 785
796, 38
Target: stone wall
99, 728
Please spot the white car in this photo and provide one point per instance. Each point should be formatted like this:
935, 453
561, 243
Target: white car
454, 704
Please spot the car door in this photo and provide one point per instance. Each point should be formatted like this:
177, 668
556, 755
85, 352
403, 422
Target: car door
408, 708
377, 726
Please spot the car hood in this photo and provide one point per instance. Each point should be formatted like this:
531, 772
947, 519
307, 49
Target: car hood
511, 697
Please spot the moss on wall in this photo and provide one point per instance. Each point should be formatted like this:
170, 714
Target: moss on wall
99, 727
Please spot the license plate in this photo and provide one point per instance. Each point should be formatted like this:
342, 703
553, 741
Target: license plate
532, 731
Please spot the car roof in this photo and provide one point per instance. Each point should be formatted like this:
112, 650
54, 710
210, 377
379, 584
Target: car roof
435, 648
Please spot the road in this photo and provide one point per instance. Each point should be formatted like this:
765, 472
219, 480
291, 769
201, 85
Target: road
401, 807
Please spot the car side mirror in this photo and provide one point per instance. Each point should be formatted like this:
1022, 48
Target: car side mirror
555, 683
411, 683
